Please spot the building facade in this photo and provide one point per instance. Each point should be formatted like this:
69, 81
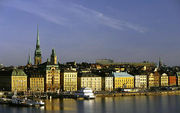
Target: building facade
141, 81
151, 80
178, 78
108, 83
157, 77
36, 81
69, 80
13, 80
90, 80
172, 80
18, 80
52, 78
164, 80
123, 80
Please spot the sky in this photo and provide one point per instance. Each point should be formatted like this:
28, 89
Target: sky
86, 30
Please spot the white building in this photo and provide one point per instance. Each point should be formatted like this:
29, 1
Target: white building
109, 83
164, 80
141, 81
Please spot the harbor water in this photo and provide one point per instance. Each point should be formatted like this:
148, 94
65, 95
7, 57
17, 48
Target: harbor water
128, 104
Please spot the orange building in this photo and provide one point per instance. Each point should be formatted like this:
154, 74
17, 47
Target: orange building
172, 80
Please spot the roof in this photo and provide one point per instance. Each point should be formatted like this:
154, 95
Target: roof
121, 74
70, 71
88, 75
18, 72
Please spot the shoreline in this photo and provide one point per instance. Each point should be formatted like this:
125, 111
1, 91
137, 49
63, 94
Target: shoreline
121, 94
140, 94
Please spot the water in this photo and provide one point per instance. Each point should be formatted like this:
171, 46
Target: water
132, 104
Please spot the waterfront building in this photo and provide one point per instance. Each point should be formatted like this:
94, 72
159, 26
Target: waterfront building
36, 81
123, 80
52, 79
107, 83
164, 80
90, 80
13, 80
178, 78
37, 54
157, 77
172, 80
141, 81
151, 80
68, 80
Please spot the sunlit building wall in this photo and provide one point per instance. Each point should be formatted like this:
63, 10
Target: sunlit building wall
69, 80
90, 80
141, 81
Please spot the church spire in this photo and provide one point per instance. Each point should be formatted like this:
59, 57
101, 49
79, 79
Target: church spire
53, 57
37, 42
159, 63
29, 60
37, 54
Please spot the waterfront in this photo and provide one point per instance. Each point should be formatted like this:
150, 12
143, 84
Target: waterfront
128, 104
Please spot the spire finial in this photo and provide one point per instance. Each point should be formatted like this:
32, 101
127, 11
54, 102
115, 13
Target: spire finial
38, 42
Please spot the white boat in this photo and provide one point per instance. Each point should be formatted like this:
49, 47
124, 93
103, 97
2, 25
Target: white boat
86, 93
40, 103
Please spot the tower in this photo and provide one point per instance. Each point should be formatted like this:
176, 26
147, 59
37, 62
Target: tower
37, 54
29, 60
53, 57
160, 63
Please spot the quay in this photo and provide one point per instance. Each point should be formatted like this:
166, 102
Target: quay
99, 94
139, 94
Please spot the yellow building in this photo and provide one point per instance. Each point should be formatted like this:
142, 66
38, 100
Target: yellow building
123, 80
69, 80
52, 78
164, 80
90, 80
151, 80
52, 74
13, 80
178, 78
19, 80
36, 81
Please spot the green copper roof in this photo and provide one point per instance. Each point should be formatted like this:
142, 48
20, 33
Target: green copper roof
38, 50
18, 72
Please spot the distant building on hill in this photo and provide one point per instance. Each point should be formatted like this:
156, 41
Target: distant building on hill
104, 61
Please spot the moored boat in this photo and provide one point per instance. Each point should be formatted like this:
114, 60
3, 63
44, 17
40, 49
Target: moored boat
85, 93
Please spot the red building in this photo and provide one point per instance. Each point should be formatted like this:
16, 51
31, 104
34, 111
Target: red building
172, 80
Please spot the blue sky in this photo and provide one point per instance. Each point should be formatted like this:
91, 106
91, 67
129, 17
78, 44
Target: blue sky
86, 30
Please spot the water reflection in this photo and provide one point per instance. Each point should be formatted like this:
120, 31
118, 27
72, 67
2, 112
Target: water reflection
138, 104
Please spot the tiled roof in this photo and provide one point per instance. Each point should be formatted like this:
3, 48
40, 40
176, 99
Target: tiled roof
121, 74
